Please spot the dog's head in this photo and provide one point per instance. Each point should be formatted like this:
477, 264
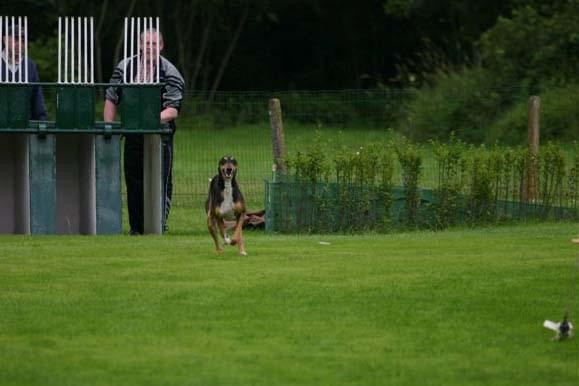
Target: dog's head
227, 167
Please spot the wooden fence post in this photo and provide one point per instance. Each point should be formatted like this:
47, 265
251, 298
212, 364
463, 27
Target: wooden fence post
533, 131
277, 137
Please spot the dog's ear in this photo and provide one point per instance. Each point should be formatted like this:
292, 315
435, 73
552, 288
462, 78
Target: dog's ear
222, 162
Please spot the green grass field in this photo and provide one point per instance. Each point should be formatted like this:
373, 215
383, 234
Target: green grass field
461, 307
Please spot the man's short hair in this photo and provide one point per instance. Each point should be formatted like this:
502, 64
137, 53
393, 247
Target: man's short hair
14, 30
151, 31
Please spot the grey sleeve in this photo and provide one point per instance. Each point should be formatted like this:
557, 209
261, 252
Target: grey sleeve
113, 93
174, 86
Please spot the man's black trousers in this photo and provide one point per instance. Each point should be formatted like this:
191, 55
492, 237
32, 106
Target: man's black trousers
133, 167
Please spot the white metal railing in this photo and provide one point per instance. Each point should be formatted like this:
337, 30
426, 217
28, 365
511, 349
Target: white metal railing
142, 48
76, 50
14, 52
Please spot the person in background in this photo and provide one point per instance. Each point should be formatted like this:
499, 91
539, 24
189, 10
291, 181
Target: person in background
151, 42
13, 69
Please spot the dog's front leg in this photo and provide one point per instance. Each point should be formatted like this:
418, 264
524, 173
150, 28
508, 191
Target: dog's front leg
238, 234
223, 231
212, 226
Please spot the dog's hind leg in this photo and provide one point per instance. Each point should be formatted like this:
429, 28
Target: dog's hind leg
212, 225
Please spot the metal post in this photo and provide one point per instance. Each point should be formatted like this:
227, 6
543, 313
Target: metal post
277, 137
533, 126
152, 184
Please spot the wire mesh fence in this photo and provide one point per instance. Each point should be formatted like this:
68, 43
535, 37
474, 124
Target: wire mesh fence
211, 126
238, 124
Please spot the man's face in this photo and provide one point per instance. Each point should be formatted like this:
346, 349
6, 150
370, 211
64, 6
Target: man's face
13, 44
149, 44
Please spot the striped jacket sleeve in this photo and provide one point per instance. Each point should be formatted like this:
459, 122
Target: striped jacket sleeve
174, 85
112, 92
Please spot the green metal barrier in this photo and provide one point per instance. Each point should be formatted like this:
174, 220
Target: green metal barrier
68, 170
108, 184
14, 107
140, 108
75, 107
42, 177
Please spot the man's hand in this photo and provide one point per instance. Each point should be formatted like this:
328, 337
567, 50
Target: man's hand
169, 114
110, 111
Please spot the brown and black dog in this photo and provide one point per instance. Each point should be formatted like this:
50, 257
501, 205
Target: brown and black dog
225, 203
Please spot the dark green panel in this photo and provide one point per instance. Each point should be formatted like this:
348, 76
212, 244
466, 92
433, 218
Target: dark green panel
108, 184
141, 107
75, 107
14, 106
42, 163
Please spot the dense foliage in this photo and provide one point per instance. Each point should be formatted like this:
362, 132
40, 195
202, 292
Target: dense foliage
344, 189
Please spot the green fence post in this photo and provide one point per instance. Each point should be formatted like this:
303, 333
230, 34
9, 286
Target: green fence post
108, 184
269, 226
42, 169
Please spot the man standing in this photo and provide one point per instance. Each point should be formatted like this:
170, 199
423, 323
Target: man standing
13, 68
142, 67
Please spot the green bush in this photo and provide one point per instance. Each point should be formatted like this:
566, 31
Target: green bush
559, 118
351, 187
411, 166
451, 167
537, 45
334, 187
44, 52
374, 108
463, 102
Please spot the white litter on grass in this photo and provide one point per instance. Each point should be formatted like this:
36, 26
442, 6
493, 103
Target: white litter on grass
563, 329
323, 243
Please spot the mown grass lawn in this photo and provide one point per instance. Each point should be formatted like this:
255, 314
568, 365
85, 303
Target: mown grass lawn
461, 307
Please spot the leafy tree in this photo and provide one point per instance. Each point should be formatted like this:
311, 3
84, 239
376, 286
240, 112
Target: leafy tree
538, 45
44, 52
443, 34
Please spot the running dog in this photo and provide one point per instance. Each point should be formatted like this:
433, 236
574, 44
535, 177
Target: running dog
225, 203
